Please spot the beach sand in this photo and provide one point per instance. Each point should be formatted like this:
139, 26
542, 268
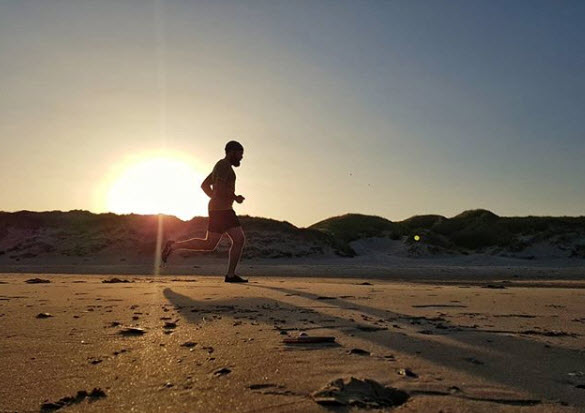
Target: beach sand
213, 347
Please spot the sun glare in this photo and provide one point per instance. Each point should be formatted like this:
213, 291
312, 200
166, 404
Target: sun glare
158, 184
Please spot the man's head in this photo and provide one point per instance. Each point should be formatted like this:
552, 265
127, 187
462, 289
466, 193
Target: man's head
234, 152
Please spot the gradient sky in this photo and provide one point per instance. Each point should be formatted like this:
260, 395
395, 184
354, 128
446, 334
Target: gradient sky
392, 108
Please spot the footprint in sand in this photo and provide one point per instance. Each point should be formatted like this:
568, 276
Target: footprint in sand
222, 372
263, 386
37, 281
365, 393
132, 331
406, 372
439, 306
81, 395
359, 352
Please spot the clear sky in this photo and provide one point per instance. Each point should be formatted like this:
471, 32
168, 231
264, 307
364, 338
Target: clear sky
392, 108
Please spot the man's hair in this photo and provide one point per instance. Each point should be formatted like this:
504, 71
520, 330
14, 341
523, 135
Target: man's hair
233, 146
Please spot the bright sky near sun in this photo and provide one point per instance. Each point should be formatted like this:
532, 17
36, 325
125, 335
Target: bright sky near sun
392, 108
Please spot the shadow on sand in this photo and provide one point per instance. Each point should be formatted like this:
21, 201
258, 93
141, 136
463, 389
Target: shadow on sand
514, 362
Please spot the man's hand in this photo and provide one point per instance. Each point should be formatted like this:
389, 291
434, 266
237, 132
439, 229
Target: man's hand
239, 199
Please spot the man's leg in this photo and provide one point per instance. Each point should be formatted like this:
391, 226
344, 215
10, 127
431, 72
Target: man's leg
199, 244
238, 238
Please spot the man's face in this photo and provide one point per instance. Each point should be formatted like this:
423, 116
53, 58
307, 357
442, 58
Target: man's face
235, 157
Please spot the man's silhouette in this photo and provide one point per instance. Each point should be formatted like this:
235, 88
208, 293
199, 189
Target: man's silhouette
220, 186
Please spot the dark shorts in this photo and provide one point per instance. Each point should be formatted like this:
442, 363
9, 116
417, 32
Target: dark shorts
221, 221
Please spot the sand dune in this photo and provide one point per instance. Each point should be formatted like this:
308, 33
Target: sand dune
79, 241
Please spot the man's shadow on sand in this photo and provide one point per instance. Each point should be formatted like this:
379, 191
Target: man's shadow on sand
525, 365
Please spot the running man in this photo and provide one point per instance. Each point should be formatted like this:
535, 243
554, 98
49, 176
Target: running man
220, 186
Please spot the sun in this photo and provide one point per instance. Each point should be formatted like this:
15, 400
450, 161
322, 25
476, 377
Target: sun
157, 184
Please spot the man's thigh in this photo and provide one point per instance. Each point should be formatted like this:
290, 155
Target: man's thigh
236, 234
213, 237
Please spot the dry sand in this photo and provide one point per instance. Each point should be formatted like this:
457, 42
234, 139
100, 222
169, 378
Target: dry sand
492, 347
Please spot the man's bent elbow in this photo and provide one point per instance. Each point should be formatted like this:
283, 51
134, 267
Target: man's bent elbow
207, 189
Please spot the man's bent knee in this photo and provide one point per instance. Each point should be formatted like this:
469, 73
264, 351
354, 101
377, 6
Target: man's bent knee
237, 235
212, 240
237, 245
238, 241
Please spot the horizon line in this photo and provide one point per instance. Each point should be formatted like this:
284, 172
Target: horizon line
252, 216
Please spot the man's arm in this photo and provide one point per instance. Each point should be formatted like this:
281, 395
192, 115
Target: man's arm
216, 185
206, 186
222, 191
219, 189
